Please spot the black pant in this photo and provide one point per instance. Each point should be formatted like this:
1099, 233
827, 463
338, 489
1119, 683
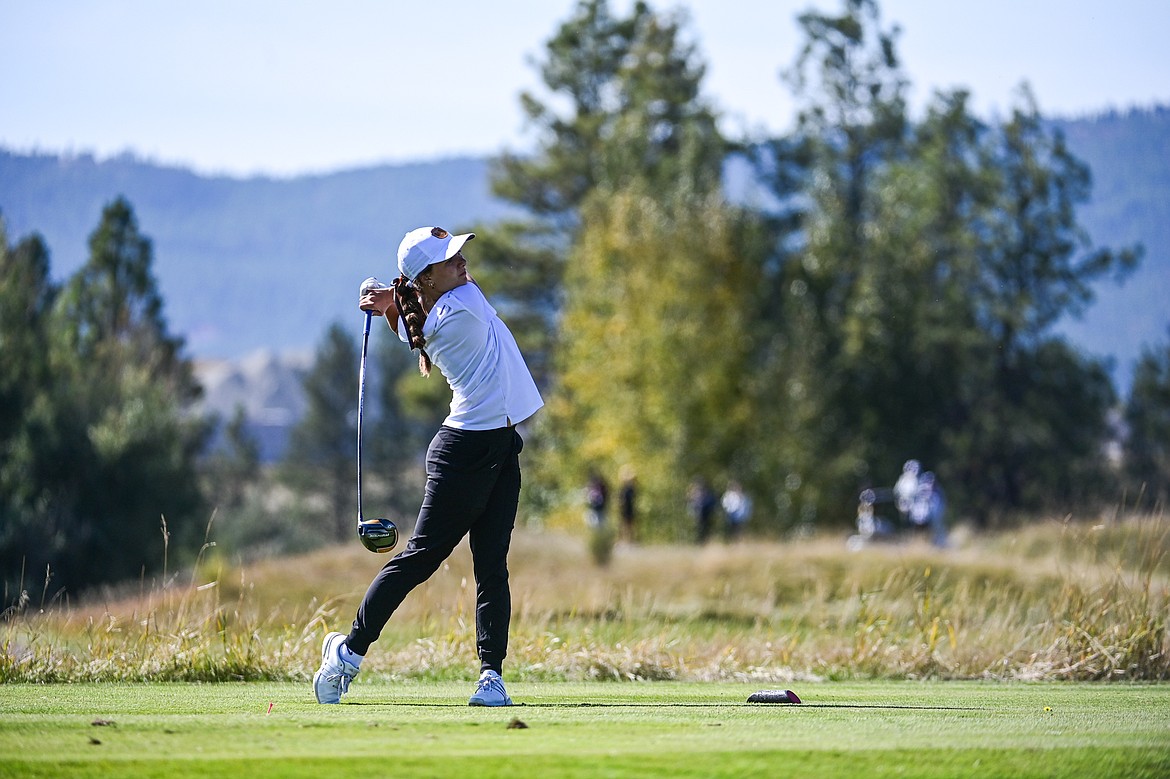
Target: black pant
473, 487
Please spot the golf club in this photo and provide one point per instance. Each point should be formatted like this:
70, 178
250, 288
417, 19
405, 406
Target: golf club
378, 535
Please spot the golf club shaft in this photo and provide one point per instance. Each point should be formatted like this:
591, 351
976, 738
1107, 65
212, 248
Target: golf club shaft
361, 407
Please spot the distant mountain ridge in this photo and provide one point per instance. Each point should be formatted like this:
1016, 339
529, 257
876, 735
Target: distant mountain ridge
1128, 154
246, 264
263, 264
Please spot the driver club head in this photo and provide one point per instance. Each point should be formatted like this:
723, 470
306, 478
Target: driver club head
378, 535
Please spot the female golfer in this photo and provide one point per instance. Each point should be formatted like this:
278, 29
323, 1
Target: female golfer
473, 465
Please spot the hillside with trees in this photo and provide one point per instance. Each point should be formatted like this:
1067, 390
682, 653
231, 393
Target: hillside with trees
311, 239
304, 243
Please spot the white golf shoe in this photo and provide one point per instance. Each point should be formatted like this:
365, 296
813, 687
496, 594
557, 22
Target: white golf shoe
333, 677
490, 691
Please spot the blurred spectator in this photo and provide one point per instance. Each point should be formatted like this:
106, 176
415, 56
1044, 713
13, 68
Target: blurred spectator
627, 502
701, 503
928, 509
906, 488
596, 498
737, 510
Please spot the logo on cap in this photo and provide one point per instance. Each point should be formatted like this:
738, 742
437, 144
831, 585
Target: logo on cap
439, 233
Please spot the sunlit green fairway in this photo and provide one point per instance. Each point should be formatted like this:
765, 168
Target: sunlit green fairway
869, 729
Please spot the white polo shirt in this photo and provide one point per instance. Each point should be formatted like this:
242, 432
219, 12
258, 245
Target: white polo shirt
474, 350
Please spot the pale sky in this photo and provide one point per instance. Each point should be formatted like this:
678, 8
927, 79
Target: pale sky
250, 87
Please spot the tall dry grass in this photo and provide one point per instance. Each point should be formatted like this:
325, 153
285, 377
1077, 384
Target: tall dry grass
1055, 600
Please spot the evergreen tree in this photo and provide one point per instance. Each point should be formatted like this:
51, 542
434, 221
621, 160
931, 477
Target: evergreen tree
115, 310
935, 260
624, 107
663, 277
1036, 411
851, 127
1147, 417
977, 256
635, 112
122, 373
26, 299
322, 455
236, 466
107, 451
911, 333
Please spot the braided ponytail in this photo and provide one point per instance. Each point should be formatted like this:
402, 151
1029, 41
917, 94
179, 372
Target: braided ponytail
408, 303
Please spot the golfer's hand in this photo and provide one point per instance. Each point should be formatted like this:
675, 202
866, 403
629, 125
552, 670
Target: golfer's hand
376, 301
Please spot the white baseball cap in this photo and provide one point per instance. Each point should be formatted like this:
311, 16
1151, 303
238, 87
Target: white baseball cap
425, 246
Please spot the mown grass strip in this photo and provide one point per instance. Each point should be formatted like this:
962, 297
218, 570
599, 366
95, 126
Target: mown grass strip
927, 729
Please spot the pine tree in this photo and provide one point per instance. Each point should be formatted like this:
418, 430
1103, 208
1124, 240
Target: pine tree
662, 280
322, 454
26, 452
1038, 421
1147, 418
851, 127
635, 113
109, 446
